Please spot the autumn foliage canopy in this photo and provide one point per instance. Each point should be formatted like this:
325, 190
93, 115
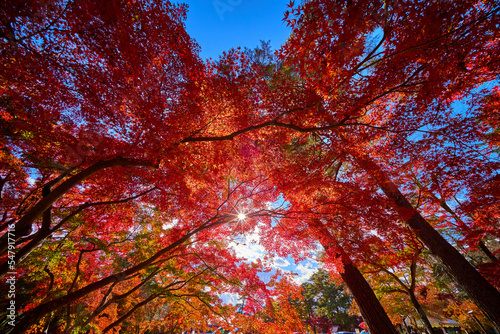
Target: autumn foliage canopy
369, 140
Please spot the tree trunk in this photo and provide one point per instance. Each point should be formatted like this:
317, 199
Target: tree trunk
23, 226
405, 327
372, 311
477, 287
486, 251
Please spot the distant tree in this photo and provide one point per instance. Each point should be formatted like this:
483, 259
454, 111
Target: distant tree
325, 303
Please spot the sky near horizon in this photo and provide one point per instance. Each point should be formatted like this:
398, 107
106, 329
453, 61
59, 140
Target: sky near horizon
219, 25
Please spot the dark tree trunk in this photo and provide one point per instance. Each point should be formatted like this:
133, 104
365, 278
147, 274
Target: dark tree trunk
23, 226
477, 287
486, 251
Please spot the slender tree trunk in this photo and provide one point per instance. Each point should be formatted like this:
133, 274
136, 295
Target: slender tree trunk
476, 286
372, 311
486, 251
43, 233
461, 224
410, 291
403, 322
422, 314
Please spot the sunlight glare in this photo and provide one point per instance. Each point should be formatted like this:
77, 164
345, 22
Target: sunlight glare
241, 216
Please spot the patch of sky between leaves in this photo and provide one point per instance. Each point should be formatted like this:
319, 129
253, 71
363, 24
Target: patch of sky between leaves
248, 247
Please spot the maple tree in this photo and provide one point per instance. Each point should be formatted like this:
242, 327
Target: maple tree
371, 309
385, 112
393, 281
116, 74
82, 137
110, 119
435, 294
325, 303
373, 109
326, 211
279, 315
140, 266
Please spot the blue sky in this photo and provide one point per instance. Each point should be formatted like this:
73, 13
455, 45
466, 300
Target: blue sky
218, 25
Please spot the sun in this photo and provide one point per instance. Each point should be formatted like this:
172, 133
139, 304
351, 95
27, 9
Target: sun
241, 216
